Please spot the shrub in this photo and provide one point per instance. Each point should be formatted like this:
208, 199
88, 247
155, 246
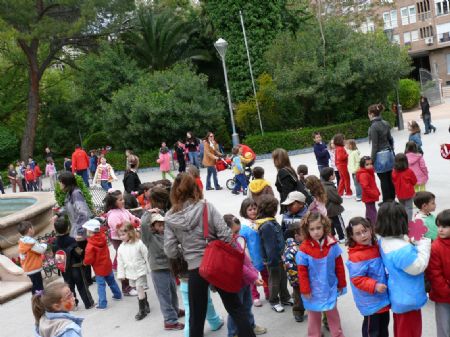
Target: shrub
8, 145
60, 195
96, 140
146, 159
409, 93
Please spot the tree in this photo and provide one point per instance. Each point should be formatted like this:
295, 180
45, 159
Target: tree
46, 30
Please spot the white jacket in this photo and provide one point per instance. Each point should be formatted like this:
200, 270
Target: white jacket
132, 260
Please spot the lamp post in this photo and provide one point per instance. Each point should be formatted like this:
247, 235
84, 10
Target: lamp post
390, 36
221, 47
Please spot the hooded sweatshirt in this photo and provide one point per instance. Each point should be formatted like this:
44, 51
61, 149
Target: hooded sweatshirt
272, 241
185, 227
258, 188
59, 324
97, 254
438, 271
417, 165
30, 253
366, 178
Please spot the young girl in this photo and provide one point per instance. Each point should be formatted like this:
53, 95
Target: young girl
117, 216
132, 264
332, 152
50, 172
248, 213
417, 165
180, 151
404, 181
164, 162
414, 135
318, 192
370, 192
104, 174
342, 166
368, 278
321, 274
405, 263
193, 171
354, 156
51, 309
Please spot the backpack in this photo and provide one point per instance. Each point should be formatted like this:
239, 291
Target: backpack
61, 260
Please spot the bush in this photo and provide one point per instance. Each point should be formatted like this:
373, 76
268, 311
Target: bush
409, 93
96, 140
60, 195
8, 145
146, 159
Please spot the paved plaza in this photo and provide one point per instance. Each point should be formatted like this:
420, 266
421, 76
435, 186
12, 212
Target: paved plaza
16, 319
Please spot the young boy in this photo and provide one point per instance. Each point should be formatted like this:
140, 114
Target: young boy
37, 175
334, 203
30, 179
238, 170
97, 256
259, 186
296, 209
438, 273
320, 151
30, 254
152, 229
293, 241
74, 273
425, 202
272, 246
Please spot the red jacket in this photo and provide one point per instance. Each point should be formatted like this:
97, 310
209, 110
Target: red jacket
37, 171
341, 156
366, 178
404, 182
438, 271
313, 249
360, 253
97, 254
80, 160
29, 175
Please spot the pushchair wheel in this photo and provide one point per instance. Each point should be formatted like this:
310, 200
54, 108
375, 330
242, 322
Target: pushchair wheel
230, 184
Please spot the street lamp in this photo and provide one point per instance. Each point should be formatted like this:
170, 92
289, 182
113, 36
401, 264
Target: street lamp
390, 36
221, 47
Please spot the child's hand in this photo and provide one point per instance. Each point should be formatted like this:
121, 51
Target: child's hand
340, 291
380, 288
259, 283
307, 296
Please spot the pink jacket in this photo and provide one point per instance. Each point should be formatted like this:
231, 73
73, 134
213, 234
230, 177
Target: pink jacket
164, 162
417, 165
117, 217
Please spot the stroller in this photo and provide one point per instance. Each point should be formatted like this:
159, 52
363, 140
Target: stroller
223, 164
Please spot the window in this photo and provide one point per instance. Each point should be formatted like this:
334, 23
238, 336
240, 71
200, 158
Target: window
423, 10
390, 19
408, 15
426, 32
448, 63
443, 32
396, 38
367, 26
412, 14
407, 37
442, 7
414, 35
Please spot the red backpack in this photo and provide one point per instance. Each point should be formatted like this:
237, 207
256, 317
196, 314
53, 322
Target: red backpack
61, 260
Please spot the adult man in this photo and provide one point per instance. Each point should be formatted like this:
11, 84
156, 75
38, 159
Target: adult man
80, 163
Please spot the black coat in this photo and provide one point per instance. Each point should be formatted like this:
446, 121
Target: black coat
287, 181
131, 181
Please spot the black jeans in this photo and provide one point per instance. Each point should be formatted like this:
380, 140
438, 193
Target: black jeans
337, 226
75, 276
278, 285
376, 325
198, 301
36, 281
387, 186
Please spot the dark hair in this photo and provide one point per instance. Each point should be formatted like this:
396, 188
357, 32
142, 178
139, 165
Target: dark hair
443, 218
62, 225
246, 203
77, 146
314, 216
293, 229
302, 169
411, 147
145, 187
258, 172
267, 207
392, 220
130, 201
184, 188
231, 220
339, 139
68, 180
110, 200
281, 160
315, 133
355, 221
316, 188
423, 197
376, 109
40, 303
193, 171
235, 150
400, 162
160, 198
24, 226
362, 161
326, 173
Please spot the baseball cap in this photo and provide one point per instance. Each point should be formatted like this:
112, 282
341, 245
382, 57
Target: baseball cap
294, 196
156, 217
92, 225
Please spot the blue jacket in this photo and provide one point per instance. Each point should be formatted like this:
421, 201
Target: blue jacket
253, 241
59, 324
272, 241
416, 139
289, 220
322, 154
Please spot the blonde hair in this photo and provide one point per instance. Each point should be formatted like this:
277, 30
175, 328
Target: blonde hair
352, 144
131, 232
44, 300
316, 188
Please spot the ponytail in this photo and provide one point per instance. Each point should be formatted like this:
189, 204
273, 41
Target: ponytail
37, 306
376, 109
44, 300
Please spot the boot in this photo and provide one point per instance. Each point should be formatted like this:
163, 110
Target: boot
147, 306
141, 314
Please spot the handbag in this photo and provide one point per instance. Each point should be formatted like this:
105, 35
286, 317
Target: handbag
222, 264
384, 161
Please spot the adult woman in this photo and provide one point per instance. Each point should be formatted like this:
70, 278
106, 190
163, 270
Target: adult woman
211, 154
382, 150
104, 175
192, 144
426, 115
184, 225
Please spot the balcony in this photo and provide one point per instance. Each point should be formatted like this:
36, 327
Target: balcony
424, 16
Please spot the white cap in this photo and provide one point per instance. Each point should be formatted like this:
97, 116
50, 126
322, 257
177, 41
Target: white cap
294, 196
156, 217
92, 225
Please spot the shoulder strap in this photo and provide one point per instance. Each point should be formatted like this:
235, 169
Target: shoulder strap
205, 220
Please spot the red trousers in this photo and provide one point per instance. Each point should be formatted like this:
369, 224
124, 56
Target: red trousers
408, 324
344, 182
255, 292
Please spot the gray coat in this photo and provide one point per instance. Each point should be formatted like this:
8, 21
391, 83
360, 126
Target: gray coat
77, 211
380, 136
334, 200
155, 244
185, 228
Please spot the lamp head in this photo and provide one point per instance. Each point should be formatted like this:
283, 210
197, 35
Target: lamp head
221, 47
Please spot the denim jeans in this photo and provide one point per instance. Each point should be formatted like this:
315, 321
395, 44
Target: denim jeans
211, 171
105, 184
241, 181
357, 186
166, 291
101, 288
408, 204
85, 175
245, 295
428, 125
194, 159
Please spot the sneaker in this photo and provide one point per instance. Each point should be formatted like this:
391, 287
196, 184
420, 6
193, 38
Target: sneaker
132, 292
299, 318
117, 298
259, 330
288, 302
181, 313
235, 192
222, 322
358, 199
209, 188
277, 307
91, 307
174, 326
257, 303
219, 188
100, 308
244, 192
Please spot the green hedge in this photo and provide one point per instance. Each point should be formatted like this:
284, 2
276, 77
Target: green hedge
146, 159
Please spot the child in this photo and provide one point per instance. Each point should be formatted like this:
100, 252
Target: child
302, 172
74, 274
30, 179
259, 186
194, 171
417, 165
405, 263
133, 249
354, 156
144, 198
152, 230
438, 273
368, 278
104, 174
320, 151
296, 209
272, 246
294, 239
249, 231
30, 254
245, 293
425, 202
321, 274
238, 170
164, 162
342, 166
320, 196
334, 203
117, 216
370, 192
97, 256
332, 152
131, 179
51, 309
50, 172
414, 135
37, 175
179, 150
404, 180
